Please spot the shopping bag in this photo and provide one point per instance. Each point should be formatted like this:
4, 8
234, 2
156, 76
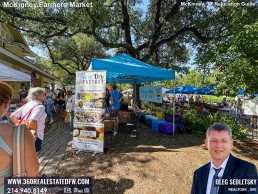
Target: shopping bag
67, 117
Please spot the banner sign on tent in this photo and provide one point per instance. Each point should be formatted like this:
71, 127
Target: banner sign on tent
250, 107
89, 111
151, 93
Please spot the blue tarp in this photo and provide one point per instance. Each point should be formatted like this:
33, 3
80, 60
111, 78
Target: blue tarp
205, 90
186, 89
241, 92
126, 69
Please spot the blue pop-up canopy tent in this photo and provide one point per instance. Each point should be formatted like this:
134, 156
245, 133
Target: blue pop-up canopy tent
205, 90
186, 89
126, 69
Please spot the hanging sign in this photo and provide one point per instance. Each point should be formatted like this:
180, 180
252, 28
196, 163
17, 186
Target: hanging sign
250, 107
89, 111
151, 93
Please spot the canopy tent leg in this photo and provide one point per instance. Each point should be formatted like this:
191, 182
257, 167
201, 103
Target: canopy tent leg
134, 97
174, 106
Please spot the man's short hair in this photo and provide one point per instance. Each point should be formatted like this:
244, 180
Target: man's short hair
219, 127
114, 87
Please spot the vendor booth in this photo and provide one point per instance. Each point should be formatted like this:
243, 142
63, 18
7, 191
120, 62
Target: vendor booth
10, 74
126, 69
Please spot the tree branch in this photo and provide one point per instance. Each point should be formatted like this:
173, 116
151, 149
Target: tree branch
45, 19
59, 33
158, 26
172, 37
173, 11
57, 63
126, 23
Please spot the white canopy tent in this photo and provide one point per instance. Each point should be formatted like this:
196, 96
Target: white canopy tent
10, 74
127, 91
164, 90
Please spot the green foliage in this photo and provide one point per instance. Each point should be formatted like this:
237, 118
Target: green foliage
151, 107
71, 55
201, 122
196, 79
216, 99
193, 77
233, 56
168, 111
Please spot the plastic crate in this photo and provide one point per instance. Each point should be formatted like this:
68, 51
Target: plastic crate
156, 124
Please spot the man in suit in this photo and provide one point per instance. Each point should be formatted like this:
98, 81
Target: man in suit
223, 164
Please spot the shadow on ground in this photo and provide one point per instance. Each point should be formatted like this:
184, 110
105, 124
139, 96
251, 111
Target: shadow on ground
247, 148
108, 186
150, 141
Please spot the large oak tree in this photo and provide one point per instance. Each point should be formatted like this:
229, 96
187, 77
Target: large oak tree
155, 34
158, 35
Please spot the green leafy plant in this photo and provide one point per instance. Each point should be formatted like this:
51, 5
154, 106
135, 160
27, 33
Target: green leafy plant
200, 122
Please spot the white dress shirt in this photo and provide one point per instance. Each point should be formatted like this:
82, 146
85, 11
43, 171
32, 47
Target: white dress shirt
212, 173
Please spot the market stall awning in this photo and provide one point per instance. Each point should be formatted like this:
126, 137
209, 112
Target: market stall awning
205, 90
186, 89
9, 74
127, 91
126, 69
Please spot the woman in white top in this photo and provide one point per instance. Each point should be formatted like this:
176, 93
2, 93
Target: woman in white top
70, 104
35, 119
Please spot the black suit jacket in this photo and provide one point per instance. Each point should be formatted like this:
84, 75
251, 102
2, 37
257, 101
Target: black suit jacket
235, 168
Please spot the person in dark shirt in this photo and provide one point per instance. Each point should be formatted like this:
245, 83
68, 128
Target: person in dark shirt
107, 98
224, 102
60, 101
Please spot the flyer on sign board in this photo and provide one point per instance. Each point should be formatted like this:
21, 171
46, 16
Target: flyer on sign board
89, 111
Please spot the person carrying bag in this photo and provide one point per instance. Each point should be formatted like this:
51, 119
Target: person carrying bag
33, 115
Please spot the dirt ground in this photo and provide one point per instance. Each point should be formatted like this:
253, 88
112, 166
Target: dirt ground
154, 163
